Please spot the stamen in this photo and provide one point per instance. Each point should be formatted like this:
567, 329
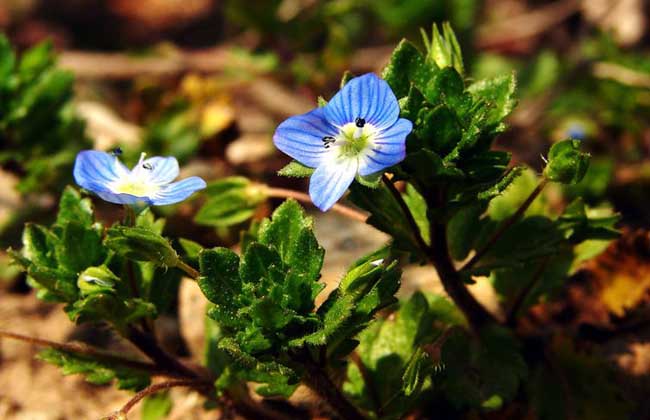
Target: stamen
360, 122
117, 151
142, 156
327, 140
147, 166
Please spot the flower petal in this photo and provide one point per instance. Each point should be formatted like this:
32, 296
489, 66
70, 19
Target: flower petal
330, 181
163, 169
367, 97
387, 149
301, 137
94, 169
177, 191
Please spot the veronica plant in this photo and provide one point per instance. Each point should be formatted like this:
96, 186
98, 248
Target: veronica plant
415, 150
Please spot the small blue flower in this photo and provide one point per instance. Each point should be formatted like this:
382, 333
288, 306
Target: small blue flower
150, 181
358, 132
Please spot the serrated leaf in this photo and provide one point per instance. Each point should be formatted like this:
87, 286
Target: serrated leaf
72, 207
96, 371
290, 232
406, 66
230, 201
219, 282
499, 93
141, 244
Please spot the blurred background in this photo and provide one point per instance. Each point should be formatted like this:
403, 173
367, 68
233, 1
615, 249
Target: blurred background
209, 80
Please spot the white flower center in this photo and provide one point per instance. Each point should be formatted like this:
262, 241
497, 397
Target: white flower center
137, 182
353, 140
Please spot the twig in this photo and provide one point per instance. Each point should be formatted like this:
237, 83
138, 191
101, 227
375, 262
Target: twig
348, 212
505, 225
121, 413
407, 213
90, 352
621, 74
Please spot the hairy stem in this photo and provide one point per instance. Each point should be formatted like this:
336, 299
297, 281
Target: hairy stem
348, 212
506, 225
438, 254
520, 299
476, 314
319, 382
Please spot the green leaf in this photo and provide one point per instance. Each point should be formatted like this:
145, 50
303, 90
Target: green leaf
397, 369
443, 49
156, 406
499, 93
386, 215
566, 163
96, 371
230, 201
72, 207
192, 249
38, 245
296, 169
7, 61
80, 247
141, 244
290, 232
480, 373
220, 284
406, 66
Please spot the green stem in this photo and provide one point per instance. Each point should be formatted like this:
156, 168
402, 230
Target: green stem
319, 382
505, 225
476, 314
438, 254
188, 269
407, 213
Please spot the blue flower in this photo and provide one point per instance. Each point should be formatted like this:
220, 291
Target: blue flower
150, 181
358, 132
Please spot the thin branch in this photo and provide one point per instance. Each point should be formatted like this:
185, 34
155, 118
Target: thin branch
505, 225
368, 381
407, 213
348, 212
150, 390
85, 350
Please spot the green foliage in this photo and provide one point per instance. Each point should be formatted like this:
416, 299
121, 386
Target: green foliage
98, 372
264, 300
483, 372
394, 370
38, 129
141, 244
231, 201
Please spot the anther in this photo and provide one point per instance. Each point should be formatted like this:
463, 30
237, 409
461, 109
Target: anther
360, 122
327, 140
117, 151
147, 166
